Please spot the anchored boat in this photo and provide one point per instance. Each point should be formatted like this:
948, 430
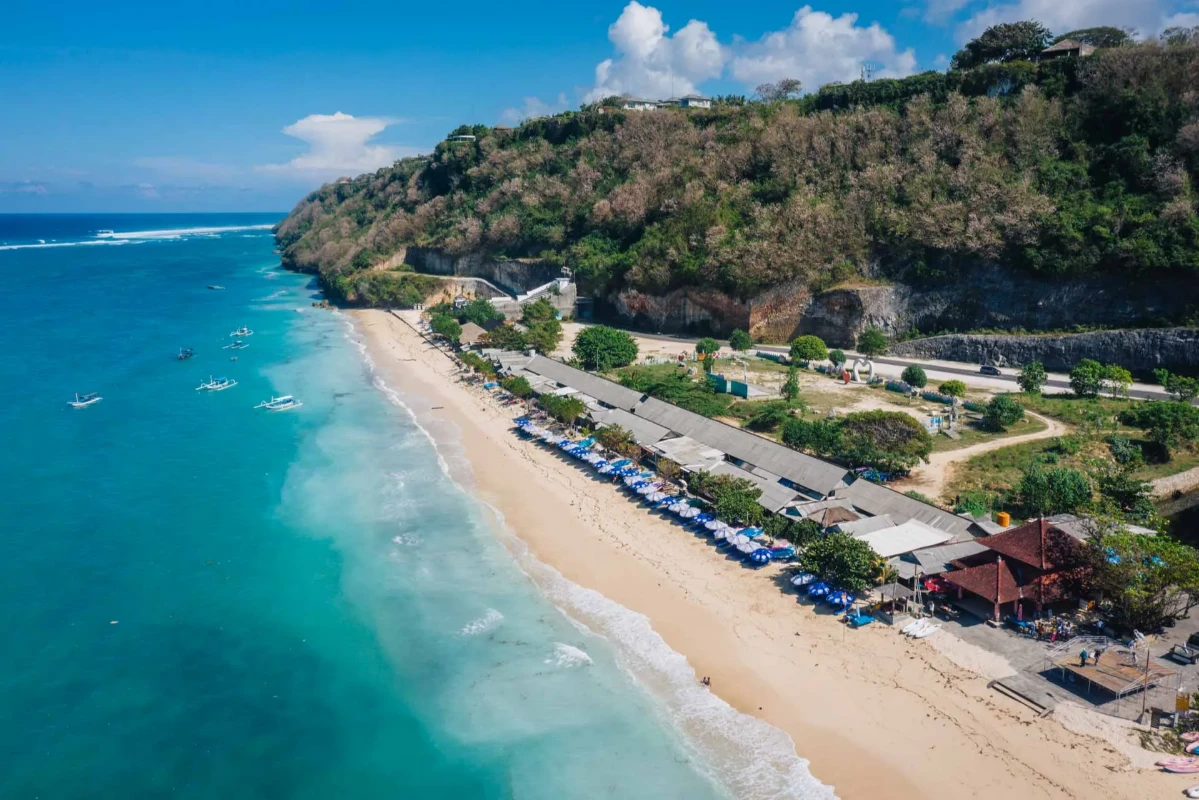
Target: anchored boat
84, 400
237, 345
280, 403
185, 353
242, 332
216, 384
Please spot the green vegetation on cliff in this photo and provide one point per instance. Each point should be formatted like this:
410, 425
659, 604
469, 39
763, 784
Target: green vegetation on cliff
1062, 168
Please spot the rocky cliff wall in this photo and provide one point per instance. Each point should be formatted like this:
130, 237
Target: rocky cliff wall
514, 277
1141, 351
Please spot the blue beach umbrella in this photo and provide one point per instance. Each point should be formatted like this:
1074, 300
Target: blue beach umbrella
522, 421
622, 462
802, 579
819, 589
669, 500
656, 497
840, 598
703, 518
715, 525
761, 556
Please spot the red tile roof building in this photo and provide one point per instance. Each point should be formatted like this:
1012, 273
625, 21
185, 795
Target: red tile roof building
1037, 562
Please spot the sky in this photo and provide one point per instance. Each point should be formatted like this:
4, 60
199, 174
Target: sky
145, 107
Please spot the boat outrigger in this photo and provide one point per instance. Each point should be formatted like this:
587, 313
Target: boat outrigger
280, 403
216, 384
237, 345
84, 400
185, 353
242, 332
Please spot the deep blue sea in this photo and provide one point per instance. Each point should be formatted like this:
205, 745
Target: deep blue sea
203, 600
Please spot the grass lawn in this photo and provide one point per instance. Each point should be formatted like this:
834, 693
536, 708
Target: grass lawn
1071, 409
972, 433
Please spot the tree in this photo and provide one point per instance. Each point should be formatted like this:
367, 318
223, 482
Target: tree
1011, 41
617, 439
820, 437
1116, 380
602, 348
913, 375
842, 561
889, 441
1060, 490
740, 341
446, 327
872, 343
565, 409
1002, 412
1130, 497
707, 346
837, 357
769, 417
1149, 579
952, 389
1086, 379
540, 310
1180, 387
808, 348
1179, 36
1033, 377
517, 385
1170, 425
784, 89
800, 533
1098, 37
790, 388
544, 337
481, 312
505, 337
734, 500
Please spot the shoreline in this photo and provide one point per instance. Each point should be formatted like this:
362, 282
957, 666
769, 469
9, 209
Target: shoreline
872, 713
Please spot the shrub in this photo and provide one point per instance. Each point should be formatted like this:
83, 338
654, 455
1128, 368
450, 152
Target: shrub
601, 348
1002, 412
808, 348
913, 375
1033, 378
707, 346
481, 312
790, 387
889, 441
617, 439
517, 385
819, 437
740, 340
565, 409
872, 343
837, 357
1060, 490
505, 337
446, 327
952, 389
1086, 379
769, 417
1181, 388
1170, 425
842, 560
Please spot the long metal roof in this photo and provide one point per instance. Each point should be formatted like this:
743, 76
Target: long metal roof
644, 432
877, 500
774, 495
606, 391
802, 470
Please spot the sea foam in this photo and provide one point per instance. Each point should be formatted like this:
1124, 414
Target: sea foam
483, 624
566, 656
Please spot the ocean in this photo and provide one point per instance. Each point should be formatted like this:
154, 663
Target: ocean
202, 599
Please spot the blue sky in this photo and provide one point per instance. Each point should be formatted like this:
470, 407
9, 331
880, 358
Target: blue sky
223, 106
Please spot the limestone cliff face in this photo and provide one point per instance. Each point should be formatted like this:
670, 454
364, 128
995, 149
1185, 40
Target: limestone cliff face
514, 277
1176, 349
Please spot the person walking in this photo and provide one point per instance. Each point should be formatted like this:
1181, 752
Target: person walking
1082, 658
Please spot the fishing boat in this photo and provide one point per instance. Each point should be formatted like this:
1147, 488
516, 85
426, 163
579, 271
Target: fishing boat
84, 400
104, 234
185, 353
237, 345
215, 286
242, 332
216, 384
280, 403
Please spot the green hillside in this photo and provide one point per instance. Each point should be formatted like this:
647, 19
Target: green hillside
1069, 167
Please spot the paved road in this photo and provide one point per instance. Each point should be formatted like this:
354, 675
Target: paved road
1141, 392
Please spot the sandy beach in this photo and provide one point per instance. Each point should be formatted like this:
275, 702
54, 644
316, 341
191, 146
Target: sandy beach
877, 715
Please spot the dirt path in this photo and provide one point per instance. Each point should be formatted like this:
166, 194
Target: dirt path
931, 478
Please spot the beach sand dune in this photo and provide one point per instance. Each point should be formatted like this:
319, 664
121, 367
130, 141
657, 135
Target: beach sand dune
876, 714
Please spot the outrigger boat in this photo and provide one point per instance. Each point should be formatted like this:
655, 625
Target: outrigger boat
280, 403
84, 400
216, 384
185, 353
237, 345
242, 332
216, 286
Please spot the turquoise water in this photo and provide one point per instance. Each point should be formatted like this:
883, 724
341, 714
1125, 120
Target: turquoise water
203, 600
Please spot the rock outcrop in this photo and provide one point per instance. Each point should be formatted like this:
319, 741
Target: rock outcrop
1141, 351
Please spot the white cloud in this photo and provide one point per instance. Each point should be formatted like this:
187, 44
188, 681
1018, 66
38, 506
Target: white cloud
1061, 16
940, 11
818, 48
1181, 20
534, 107
25, 187
339, 144
651, 63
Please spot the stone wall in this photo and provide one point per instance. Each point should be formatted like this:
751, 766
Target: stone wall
1141, 351
514, 277
683, 310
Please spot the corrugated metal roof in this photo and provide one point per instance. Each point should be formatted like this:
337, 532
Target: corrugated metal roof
877, 500
865, 525
611, 393
774, 495
904, 538
935, 560
687, 452
644, 432
802, 470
